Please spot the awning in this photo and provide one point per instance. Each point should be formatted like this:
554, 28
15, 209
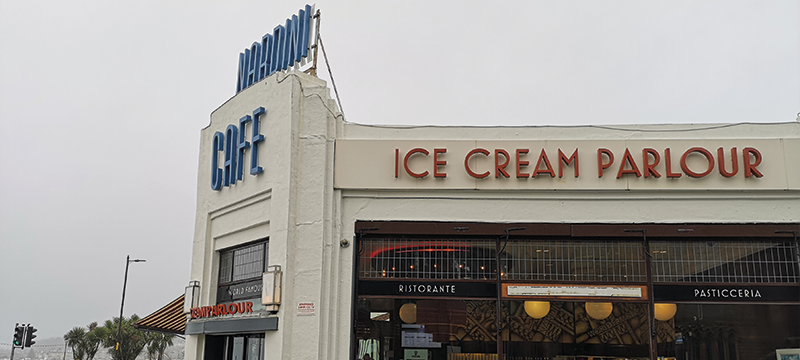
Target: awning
168, 319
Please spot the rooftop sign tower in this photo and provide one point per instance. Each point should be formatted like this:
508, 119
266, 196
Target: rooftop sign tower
290, 46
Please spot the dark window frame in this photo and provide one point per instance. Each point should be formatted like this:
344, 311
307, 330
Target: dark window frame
231, 279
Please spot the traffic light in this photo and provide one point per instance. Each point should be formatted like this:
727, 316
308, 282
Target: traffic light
30, 334
19, 334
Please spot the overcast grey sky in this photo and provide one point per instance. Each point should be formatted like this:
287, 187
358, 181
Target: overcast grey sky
102, 102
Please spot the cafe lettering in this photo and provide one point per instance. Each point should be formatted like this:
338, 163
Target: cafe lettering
524, 163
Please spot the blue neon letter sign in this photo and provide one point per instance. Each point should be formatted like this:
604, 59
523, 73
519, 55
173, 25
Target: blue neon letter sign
234, 146
287, 45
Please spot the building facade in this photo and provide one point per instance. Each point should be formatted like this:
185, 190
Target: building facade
675, 241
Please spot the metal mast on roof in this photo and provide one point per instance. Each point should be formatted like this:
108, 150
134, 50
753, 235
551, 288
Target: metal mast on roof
313, 69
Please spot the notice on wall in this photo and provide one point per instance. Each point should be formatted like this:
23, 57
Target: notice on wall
419, 340
306, 309
575, 290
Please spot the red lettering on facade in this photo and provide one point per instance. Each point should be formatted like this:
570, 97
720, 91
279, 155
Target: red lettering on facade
405, 162
466, 163
628, 159
437, 163
521, 163
603, 165
564, 160
222, 309
500, 168
650, 168
734, 162
668, 162
709, 158
651, 161
750, 167
543, 160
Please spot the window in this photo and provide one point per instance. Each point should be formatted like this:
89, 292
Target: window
396, 320
234, 347
430, 259
243, 263
724, 261
534, 259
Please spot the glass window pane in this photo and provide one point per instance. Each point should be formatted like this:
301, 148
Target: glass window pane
529, 259
225, 267
735, 331
243, 263
724, 261
248, 262
430, 259
425, 328
255, 348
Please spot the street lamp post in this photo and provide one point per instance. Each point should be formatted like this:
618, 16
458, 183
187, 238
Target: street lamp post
128, 261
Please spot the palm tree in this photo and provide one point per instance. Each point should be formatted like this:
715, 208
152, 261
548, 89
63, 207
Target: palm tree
159, 343
84, 343
74, 339
92, 340
131, 343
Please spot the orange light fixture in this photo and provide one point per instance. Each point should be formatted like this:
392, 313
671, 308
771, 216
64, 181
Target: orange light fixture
599, 311
408, 313
665, 312
537, 309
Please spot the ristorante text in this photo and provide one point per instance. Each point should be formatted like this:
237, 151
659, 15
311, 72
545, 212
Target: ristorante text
694, 162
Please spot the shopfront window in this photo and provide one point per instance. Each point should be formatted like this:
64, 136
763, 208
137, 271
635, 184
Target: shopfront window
731, 332
255, 348
234, 347
714, 261
426, 329
567, 330
429, 259
565, 298
569, 260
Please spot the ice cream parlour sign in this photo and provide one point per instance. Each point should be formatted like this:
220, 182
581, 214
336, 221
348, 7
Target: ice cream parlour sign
523, 163
580, 164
